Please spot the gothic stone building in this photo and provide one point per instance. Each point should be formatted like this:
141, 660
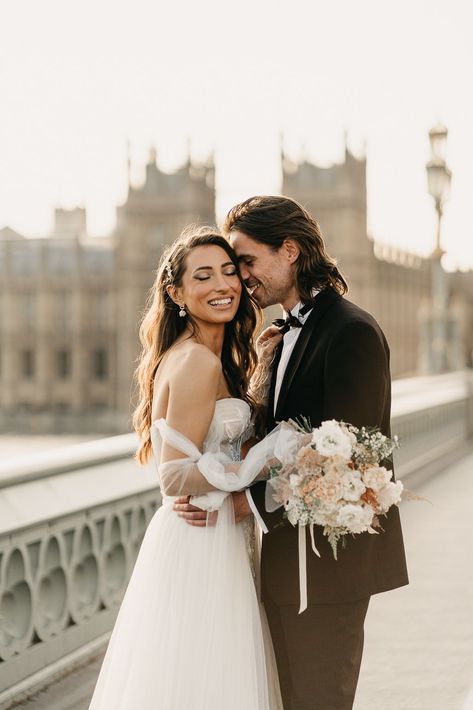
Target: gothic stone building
395, 286
70, 305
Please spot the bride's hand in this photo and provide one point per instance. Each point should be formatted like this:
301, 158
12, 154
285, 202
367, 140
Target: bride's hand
267, 342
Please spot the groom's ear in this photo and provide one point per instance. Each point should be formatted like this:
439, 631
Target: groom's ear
291, 250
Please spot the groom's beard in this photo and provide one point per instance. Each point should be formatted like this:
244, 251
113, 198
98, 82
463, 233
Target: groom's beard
267, 295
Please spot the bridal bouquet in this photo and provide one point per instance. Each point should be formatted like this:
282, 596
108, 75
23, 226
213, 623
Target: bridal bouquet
332, 476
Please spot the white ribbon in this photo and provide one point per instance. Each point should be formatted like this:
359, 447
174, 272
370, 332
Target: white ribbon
303, 564
302, 570
312, 540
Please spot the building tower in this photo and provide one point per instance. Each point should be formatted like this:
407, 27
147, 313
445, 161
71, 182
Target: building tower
152, 216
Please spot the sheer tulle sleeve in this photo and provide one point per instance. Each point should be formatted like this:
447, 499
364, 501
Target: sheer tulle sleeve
198, 473
181, 476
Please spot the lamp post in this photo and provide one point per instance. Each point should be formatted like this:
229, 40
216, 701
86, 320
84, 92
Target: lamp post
439, 178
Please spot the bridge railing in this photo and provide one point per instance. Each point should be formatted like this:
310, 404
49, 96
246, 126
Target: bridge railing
72, 521
433, 417
71, 524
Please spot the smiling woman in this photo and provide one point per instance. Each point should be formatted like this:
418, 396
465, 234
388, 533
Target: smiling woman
198, 297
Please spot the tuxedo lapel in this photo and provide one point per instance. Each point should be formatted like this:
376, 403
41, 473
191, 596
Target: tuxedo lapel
323, 301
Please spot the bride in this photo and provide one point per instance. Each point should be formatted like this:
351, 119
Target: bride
191, 633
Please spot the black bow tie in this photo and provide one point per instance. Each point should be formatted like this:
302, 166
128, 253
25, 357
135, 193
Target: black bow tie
285, 326
291, 321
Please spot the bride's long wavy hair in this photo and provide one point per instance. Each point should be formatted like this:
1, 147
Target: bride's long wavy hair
161, 326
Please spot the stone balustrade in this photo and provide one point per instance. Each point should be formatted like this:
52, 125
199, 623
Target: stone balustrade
72, 521
71, 524
433, 417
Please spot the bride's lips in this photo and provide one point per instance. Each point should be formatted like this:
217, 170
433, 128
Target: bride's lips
221, 304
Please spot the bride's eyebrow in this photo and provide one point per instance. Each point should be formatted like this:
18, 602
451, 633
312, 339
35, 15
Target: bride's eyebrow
210, 268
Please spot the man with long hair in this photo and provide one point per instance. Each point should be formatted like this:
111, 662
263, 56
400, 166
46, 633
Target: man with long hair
333, 363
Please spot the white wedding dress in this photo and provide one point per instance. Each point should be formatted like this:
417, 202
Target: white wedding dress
191, 633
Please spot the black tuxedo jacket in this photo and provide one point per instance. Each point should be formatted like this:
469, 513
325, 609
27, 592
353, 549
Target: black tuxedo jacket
339, 369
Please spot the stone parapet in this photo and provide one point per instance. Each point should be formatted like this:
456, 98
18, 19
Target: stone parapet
71, 525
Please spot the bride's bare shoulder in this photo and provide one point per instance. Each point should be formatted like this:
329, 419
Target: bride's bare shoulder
192, 376
194, 354
188, 377
192, 359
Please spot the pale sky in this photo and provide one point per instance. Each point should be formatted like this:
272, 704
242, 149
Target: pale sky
79, 78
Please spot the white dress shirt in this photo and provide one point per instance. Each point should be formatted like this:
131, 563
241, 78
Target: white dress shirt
289, 341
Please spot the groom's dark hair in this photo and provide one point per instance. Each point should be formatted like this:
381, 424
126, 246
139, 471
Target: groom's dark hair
272, 219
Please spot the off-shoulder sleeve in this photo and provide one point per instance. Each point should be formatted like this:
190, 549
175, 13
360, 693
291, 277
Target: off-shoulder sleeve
198, 473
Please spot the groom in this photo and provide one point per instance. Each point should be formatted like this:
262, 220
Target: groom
333, 363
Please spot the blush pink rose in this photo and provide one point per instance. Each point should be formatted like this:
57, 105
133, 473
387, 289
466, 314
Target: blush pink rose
328, 489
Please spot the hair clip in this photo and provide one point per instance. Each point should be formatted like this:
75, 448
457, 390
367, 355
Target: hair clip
169, 271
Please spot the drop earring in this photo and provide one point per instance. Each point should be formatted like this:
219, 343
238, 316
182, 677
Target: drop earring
182, 311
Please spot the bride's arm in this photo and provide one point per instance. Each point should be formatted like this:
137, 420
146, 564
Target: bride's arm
193, 386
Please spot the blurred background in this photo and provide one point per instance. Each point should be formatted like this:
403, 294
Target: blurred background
122, 122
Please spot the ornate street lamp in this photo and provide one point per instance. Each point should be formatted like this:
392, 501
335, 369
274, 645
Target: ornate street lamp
439, 178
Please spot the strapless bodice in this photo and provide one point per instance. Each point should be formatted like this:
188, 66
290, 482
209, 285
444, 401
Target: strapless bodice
230, 426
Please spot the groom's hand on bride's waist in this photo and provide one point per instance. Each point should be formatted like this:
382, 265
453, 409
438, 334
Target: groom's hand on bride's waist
200, 518
191, 514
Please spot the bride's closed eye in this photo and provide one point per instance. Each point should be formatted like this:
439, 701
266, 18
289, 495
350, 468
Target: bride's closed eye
207, 276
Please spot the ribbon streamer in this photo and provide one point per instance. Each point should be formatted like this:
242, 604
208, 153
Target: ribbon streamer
303, 564
302, 570
312, 540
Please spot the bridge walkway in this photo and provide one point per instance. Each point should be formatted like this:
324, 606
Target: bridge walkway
419, 639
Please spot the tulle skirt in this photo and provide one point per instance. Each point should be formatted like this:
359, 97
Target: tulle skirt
191, 633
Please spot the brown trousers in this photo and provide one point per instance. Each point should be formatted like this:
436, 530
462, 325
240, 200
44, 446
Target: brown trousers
318, 653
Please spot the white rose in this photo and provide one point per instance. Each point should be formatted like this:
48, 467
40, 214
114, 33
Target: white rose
330, 439
352, 485
389, 495
351, 435
356, 518
326, 514
376, 477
